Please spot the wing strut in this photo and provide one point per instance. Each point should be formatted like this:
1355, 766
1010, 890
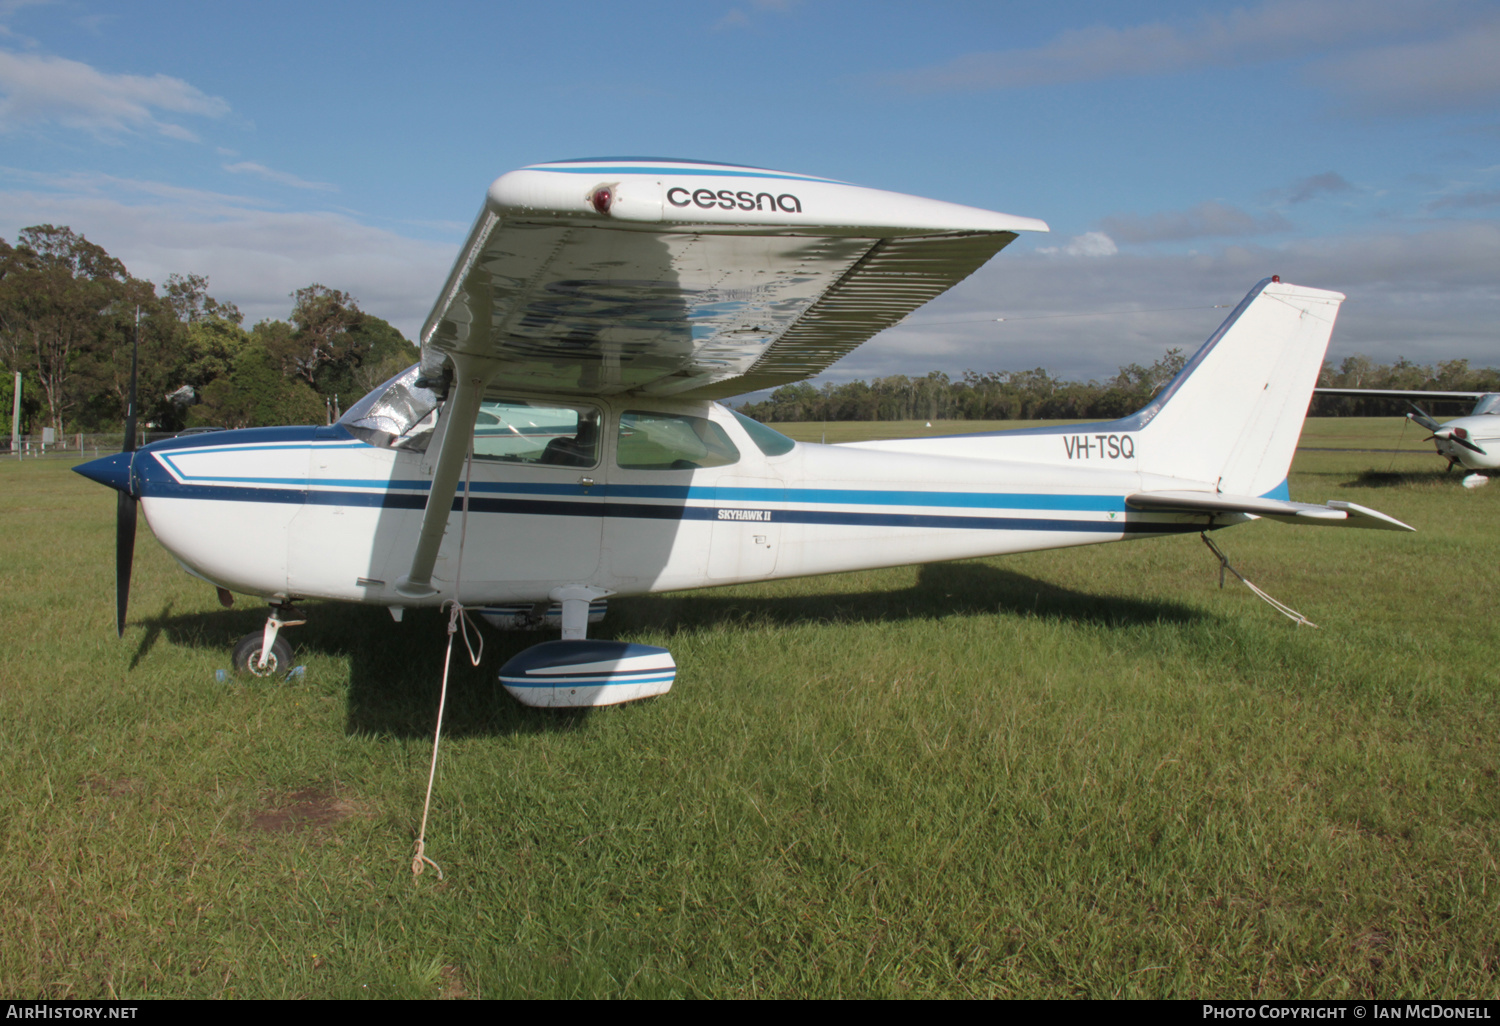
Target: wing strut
471, 375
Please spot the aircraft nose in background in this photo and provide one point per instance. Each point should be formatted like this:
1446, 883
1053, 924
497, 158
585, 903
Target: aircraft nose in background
109, 470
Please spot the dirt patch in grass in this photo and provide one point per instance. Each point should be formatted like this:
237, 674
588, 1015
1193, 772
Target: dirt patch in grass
316, 809
106, 787
1376, 945
451, 984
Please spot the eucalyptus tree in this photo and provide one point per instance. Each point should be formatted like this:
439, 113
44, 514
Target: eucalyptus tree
57, 291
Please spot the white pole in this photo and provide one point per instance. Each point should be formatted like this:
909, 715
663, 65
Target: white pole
15, 419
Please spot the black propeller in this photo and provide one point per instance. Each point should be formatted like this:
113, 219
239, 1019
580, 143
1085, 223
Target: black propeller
125, 507
1422, 418
1456, 434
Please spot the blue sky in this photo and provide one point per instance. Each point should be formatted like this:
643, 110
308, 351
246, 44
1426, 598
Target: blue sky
1181, 152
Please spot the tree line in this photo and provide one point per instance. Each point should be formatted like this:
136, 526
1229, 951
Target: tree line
68, 314
1363, 372
996, 395
1037, 395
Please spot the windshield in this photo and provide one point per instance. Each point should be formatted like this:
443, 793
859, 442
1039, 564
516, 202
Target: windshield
396, 415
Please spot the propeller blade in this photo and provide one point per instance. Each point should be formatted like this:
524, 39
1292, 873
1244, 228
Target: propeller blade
1422, 418
125, 512
125, 507
1467, 444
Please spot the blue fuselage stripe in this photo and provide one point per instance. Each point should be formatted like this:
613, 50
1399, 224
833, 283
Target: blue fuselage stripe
596, 507
241, 488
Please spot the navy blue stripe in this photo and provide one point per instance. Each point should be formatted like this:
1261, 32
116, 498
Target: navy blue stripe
161, 483
647, 511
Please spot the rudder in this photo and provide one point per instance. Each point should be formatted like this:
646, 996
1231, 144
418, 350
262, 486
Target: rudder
1231, 418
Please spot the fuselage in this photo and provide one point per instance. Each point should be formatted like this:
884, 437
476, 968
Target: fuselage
1482, 430
319, 512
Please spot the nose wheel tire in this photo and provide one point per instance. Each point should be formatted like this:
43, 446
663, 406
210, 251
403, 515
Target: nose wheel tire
247, 656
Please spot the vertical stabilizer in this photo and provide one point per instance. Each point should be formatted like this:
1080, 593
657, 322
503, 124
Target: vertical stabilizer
1228, 422
1232, 416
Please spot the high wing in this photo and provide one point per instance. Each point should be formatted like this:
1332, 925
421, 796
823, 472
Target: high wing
673, 278
667, 277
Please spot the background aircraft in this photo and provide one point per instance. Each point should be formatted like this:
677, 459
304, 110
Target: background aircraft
1472, 442
560, 442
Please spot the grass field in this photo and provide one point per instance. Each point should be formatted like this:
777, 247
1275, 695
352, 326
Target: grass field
1079, 773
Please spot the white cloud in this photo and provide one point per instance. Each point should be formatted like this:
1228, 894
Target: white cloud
1089, 244
737, 18
8, 10
37, 89
1206, 220
1451, 60
1326, 184
1428, 295
246, 167
1472, 200
734, 18
254, 257
1460, 70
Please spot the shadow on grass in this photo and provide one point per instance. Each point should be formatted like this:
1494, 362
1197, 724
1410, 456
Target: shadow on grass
1410, 478
942, 589
153, 632
395, 670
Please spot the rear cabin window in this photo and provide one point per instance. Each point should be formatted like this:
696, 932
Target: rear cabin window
672, 441
517, 431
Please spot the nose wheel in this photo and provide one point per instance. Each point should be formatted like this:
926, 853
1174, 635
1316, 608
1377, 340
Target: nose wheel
265, 652
247, 659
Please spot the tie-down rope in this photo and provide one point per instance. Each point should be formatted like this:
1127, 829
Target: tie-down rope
1281, 607
458, 620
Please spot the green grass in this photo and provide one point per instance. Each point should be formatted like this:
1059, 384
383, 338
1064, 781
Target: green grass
1079, 773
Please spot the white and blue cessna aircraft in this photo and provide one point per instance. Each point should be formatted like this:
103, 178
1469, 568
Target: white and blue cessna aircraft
559, 442
1471, 442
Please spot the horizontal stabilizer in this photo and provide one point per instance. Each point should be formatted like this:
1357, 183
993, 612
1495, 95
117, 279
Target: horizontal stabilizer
1333, 514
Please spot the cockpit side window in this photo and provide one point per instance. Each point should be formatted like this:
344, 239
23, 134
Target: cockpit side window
547, 434
672, 441
1488, 404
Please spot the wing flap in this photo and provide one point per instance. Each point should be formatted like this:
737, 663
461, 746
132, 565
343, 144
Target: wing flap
894, 278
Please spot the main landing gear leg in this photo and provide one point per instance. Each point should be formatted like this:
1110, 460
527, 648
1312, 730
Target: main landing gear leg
575, 600
262, 653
